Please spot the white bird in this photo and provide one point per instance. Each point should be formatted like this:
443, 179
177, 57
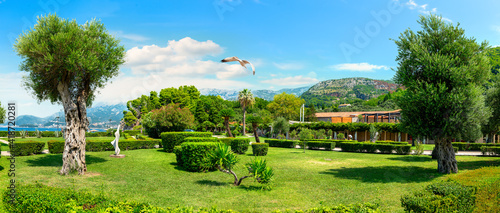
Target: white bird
242, 62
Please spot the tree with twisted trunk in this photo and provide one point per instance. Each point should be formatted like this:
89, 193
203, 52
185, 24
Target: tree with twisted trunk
227, 114
246, 99
443, 72
66, 64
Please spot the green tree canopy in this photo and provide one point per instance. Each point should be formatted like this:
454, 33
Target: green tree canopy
170, 118
66, 63
443, 72
286, 106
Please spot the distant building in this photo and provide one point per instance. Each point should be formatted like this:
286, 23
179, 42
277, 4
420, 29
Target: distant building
353, 117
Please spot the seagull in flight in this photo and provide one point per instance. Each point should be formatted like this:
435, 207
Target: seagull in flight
242, 62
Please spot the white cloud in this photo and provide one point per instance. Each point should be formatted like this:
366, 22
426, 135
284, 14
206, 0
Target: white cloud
422, 8
129, 36
361, 67
179, 63
291, 81
289, 66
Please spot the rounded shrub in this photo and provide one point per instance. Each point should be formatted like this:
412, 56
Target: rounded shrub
240, 145
172, 139
195, 156
403, 149
260, 149
55, 146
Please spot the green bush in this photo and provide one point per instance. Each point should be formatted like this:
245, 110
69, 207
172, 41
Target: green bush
172, 139
47, 134
281, 143
195, 156
55, 146
471, 146
132, 132
41, 198
350, 146
392, 142
386, 148
491, 150
240, 145
178, 155
370, 147
100, 134
403, 149
441, 197
320, 144
26, 148
226, 141
260, 149
201, 139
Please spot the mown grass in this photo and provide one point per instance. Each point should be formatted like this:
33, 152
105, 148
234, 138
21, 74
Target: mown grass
302, 180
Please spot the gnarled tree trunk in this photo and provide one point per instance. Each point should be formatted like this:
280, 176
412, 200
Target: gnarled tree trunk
76, 126
446, 156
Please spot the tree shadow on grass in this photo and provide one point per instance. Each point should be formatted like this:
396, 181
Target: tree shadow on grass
210, 183
386, 174
251, 188
1, 168
56, 160
412, 158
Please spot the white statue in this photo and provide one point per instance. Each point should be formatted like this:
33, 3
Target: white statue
115, 141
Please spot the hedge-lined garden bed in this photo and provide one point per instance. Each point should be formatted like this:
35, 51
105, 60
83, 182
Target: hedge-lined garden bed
172, 139
105, 145
471, 146
26, 148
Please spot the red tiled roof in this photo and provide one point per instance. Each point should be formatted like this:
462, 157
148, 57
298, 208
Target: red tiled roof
348, 114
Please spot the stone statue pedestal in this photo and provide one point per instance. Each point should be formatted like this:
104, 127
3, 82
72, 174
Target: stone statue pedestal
117, 156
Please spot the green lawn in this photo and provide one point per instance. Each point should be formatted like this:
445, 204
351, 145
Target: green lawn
302, 180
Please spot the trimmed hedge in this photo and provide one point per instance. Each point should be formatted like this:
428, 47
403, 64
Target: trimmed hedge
240, 145
55, 146
172, 139
471, 146
491, 150
101, 134
105, 145
281, 143
201, 139
260, 149
226, 141
195, 156
403, 149
319, 144
392, 142
42, 198
386, 148
441, 197
26, 148
132, 132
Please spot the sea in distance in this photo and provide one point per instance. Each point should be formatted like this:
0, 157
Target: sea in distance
4, 128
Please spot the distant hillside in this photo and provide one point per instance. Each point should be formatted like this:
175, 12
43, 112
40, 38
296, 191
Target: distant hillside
346, 90
264, 94
99, 116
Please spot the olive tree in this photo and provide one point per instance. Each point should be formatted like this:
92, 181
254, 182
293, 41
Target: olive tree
66, 63
443, 72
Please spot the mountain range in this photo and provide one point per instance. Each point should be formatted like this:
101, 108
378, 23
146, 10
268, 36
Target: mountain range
264, 94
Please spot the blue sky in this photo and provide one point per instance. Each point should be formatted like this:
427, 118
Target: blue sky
291, 43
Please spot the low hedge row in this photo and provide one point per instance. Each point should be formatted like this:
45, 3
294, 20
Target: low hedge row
373, 147
201, 139
260, 149
392, 142
26, 148
105, 145
195, 156
281, 143
239, 145
172, 139
491, 150
337, 142
132, 132
226, 141
471, 146
41, 198
315, 145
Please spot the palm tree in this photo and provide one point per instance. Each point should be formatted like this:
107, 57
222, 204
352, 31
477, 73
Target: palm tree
255, 121
246, 100
226, 114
